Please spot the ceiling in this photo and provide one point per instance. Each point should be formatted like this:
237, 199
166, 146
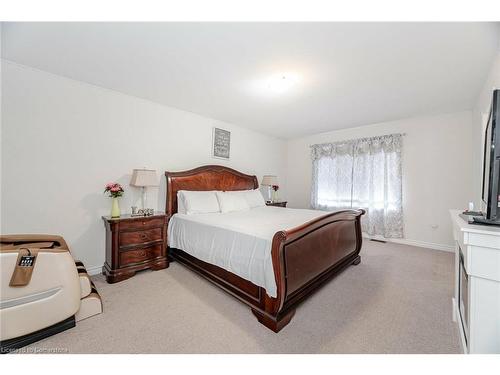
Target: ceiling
347, 74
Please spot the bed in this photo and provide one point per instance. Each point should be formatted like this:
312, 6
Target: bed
277, 256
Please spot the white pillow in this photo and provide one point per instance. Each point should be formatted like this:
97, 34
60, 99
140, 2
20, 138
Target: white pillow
253, 197
199, 202
181, 207
229, 201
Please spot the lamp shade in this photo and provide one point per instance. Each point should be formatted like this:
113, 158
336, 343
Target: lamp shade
144, 177
269, 180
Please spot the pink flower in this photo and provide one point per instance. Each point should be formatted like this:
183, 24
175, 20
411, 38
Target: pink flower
114, 188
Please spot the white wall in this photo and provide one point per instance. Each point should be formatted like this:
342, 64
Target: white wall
62, 140
480, 116
437, 170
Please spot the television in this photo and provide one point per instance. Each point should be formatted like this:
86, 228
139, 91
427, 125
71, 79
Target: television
491, 166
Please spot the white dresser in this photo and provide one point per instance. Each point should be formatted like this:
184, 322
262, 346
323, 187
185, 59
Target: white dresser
476, 304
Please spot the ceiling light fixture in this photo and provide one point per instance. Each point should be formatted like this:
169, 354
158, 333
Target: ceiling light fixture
281, 83
274, 85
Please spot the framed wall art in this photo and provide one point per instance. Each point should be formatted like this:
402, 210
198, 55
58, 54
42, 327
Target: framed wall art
221, 143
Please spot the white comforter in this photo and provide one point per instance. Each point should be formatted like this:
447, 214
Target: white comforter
239, 242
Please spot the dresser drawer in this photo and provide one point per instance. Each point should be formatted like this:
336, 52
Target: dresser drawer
140, 255
140, 237
142, 223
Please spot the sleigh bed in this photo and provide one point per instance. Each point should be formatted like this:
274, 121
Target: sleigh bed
303, 258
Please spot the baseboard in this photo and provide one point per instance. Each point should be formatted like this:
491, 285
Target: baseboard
404, 241
95, 270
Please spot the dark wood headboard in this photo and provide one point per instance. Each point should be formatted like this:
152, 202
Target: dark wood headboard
207, 177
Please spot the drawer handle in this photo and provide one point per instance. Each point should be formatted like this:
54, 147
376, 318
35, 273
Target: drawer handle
142, 253
143, 223
144, 236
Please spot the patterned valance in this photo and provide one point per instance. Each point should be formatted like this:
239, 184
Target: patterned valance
389, 142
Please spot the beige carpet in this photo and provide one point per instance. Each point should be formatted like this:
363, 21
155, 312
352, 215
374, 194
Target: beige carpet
398, 300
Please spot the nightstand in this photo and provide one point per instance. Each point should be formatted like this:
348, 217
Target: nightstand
133, 244
277, 204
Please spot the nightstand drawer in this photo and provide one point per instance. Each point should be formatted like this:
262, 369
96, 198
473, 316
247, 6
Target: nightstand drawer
140, 255
140, 237
142, 222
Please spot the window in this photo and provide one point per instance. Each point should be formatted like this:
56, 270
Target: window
361, 173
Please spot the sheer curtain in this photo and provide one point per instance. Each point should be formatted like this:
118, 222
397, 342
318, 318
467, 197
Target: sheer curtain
361, 173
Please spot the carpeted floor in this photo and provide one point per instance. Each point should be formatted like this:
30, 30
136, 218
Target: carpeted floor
398, 300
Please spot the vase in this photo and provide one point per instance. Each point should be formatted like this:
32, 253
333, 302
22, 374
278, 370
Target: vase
275, 196
115, 207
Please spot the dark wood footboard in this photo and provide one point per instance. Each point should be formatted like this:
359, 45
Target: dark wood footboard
304, 258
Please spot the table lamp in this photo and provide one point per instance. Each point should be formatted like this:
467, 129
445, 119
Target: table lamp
269, 180
143, 178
